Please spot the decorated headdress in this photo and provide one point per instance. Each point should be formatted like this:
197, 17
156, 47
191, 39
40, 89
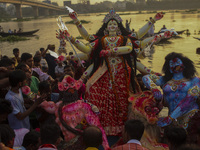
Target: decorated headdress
69, 83
112, 15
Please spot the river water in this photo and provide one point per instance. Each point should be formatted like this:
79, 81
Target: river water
48, 26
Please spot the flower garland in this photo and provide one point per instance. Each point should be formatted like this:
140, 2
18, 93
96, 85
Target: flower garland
27, 91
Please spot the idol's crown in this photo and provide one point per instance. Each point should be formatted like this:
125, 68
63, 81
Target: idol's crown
112, 15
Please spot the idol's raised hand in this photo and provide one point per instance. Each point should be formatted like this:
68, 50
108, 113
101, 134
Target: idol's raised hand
62, 34
72, 14
158, 16
157, 94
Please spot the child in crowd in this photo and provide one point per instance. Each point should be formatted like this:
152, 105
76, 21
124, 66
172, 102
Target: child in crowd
31, 141
37, 60
6, 66
43, 62
50, 137
7, 136
16, 57
19, 117
45, 87
43, 116
5, 109
175, 136
92, 137
28, 59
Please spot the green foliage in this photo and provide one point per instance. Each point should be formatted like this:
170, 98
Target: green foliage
191, 11
4, 17
12, 38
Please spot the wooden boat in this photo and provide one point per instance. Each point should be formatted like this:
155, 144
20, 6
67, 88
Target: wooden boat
179, 32
4, 34
196, 38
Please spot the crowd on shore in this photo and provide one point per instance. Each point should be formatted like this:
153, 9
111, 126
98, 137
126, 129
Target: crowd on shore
26, 126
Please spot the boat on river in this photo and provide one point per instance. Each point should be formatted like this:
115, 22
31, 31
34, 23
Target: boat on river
196, 38
28, 33
178, 32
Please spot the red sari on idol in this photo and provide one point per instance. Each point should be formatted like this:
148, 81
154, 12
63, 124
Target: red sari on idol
108, 88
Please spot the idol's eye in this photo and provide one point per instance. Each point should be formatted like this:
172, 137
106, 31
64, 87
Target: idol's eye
171, 63
72, 83
156, 110
148, 109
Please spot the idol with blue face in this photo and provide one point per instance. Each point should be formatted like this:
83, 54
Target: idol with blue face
176, 65
180, 87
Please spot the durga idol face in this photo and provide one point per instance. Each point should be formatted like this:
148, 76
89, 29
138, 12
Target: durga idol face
112, 26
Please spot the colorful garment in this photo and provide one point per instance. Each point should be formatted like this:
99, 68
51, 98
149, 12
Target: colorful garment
77, 115
34, 84
17, 102
146, 109
180, 92
111, 90
113, 52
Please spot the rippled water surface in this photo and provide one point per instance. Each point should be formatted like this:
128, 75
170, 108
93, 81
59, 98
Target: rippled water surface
47, 35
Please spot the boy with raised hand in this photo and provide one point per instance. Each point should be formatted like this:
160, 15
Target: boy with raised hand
19, 117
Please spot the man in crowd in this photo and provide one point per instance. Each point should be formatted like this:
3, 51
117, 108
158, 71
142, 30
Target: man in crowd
92, 137
132, 135
50, 137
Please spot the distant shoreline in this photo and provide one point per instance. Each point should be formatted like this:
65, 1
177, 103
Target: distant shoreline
185, 11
